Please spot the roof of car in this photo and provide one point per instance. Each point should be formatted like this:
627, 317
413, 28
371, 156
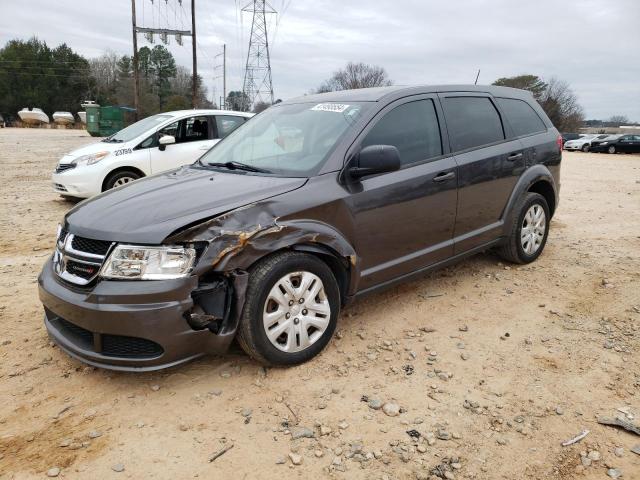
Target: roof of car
376, 94
202, 111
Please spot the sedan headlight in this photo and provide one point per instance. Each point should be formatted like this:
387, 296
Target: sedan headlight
132, 262
89, 159
604, 143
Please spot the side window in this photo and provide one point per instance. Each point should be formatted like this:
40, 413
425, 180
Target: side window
194, 129
412, 128
523, 119
152, 141
227, 124
171, 129
472, 122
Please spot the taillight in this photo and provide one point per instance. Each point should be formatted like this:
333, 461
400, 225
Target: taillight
559, 143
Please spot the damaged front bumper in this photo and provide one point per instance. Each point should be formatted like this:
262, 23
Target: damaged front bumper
142, 325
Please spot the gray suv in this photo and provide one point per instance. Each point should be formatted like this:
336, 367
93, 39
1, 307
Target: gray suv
314, 202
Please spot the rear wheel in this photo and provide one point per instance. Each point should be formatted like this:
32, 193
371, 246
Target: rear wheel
291, 309
120, 178
611, 149
529, 230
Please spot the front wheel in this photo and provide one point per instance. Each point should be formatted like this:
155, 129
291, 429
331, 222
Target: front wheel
611, 149
585, 148
291, 309
529, 230
118, 179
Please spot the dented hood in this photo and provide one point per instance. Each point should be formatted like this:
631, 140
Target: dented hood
150, 209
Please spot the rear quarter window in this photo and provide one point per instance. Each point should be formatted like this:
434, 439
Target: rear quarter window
472, 122
521, 116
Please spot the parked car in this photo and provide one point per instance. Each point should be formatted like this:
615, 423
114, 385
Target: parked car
583, 143
570, 136
152, 145
314, 202
618, 144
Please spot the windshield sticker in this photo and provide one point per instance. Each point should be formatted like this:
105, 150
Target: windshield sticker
330, 107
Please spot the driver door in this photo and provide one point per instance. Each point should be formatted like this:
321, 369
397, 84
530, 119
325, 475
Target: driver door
404, 220
194, 136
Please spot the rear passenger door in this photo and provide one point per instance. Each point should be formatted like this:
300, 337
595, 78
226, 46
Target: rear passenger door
404, 219
489, 165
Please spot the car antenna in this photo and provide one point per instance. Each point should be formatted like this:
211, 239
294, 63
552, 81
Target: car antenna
477, 76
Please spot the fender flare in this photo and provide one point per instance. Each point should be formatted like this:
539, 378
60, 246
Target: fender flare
531, 176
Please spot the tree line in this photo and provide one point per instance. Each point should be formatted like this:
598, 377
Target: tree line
58, 79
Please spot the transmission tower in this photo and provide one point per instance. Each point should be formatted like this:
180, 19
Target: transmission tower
257, 86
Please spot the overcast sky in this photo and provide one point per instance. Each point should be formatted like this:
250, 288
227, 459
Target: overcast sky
593, 44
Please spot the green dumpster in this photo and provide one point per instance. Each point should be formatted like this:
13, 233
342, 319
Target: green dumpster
111, 120
93, 119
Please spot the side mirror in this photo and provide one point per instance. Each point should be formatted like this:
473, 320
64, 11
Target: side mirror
374, 159
166, 140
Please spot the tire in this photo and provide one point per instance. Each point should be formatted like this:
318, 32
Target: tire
517, 249
611, 149
265, 278
585, 148
120, 178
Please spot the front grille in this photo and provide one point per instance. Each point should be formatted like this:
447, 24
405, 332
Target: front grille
78, 259
82, 270
106, 344
64, 167
60, 187
88, 245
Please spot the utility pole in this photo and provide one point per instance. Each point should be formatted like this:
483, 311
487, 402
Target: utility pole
258, 85
195, 60
164, 33
136, 74
224, 73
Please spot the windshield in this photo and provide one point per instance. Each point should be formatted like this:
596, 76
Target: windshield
287, 140
137, 129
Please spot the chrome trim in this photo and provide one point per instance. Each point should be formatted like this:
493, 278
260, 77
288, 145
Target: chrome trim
64, 251
60, 267
68, 248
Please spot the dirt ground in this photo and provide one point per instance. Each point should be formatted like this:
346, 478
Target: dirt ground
493, 365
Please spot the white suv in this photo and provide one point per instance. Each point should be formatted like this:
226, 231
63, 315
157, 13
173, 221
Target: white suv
152, 145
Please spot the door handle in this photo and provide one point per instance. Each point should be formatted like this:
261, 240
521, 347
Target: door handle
444, 176
514, 156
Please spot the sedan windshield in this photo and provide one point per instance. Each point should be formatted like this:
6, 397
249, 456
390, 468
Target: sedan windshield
287, 140
137, 129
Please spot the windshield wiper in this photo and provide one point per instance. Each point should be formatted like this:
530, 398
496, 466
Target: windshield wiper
239, 166
112, 140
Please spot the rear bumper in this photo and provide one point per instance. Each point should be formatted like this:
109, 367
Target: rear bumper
126, 325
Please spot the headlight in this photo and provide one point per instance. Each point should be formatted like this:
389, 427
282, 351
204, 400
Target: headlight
604, 143
89, 159
148, 263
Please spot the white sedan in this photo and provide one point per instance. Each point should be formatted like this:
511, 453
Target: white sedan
583, 143
152, 145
